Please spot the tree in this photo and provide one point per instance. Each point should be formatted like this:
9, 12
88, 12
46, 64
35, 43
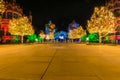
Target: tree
20, 26
2, 9
42, 35
80, 32
101, 22
72, 34
76, 33
51, 35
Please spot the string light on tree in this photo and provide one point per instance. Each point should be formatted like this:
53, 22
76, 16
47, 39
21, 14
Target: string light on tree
76, 33
21, 26
101, 22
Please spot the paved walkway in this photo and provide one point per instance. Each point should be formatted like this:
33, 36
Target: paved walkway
59, 62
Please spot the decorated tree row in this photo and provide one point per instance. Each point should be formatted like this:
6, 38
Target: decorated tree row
101, 22
76, 33
20, 26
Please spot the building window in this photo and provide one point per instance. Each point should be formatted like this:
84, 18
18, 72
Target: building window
15, 16
9, 15
9, 7
4, 15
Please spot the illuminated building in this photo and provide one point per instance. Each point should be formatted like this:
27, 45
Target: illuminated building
73, 31
50, 30
114, 6
72, 25
61, 36
12, 10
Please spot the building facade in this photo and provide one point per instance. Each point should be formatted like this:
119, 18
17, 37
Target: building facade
12, 10
114, 6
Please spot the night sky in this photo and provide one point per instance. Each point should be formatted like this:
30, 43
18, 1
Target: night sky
61, 12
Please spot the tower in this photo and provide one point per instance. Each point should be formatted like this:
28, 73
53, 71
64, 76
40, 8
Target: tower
30, 17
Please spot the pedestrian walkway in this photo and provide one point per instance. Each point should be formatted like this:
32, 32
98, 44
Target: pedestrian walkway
60, 62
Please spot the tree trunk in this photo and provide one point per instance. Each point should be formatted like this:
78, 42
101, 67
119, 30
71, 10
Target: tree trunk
100, 37
22, 38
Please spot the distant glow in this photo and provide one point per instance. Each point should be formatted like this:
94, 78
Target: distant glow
87, 39
6, 37
93, 37
47, 37
40, 39
36, 40
83, 38
61, 37
47, 30
32, 38
73, 25
50, 27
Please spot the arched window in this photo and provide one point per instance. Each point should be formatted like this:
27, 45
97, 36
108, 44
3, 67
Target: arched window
9, 15
15, 15
4, 15
9, 7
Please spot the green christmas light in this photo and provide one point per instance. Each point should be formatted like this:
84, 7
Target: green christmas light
93, 37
